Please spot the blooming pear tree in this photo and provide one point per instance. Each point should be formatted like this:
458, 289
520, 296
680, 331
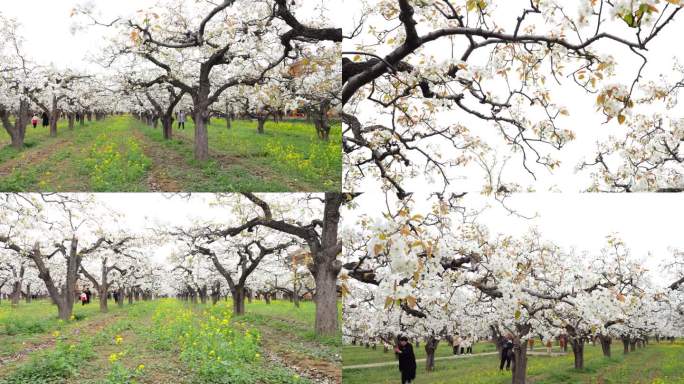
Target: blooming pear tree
435, 273
221, 46
419, 76
115, 262
319, 233
55, 233
15, 79
235, 258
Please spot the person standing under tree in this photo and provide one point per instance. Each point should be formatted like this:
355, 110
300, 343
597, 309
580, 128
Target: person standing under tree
407, 360
181, 119
34, 120
46, 119
506, 353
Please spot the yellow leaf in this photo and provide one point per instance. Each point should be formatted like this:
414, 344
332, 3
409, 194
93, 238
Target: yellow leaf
621, 119
388, 302
411, 301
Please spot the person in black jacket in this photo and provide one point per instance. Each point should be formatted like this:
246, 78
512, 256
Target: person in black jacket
407, 360
46, 119
506, 352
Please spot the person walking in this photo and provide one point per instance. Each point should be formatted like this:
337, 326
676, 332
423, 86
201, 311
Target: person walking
83, 298
89, 293
181, 119
407, 360
506, 353
46, 119
34, 120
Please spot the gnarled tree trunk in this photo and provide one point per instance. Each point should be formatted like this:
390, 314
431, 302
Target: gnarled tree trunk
605, 344
519, 363
578, 352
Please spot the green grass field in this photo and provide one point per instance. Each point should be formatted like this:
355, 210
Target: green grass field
656, 364
121, 154
164, 341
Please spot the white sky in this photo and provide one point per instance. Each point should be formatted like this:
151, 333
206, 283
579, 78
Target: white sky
150, 210
46, 25
646, 222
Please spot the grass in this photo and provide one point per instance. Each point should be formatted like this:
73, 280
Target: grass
289, 153
31, 323
35, 138
161, 341
102, 156
656, 364
121, 154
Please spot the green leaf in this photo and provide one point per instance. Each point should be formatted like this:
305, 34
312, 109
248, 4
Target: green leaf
629, 19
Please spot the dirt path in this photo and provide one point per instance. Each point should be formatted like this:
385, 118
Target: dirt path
30, 157
163, 160
159, 366
78, 331
317, 370
455, 357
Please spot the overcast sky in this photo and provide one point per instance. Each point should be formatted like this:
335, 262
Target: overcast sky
46, 27
648, 223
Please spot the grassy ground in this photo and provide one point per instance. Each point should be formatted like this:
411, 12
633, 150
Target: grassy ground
122, 154
656, 364
165, 341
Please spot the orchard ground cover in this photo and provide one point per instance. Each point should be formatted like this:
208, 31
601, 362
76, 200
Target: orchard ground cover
123, 154
169, 341
656, 364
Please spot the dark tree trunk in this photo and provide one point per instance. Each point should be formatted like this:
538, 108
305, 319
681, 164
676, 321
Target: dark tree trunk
578, 352
167, 126
261, 121
16, 130
519, 363
103, 299
120, 297
54, 116
321, 121
326, 300
28, 293
625, 345
327, 267
201, 109
16, 293
203, 294
605, 345
238, 294
71, 119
